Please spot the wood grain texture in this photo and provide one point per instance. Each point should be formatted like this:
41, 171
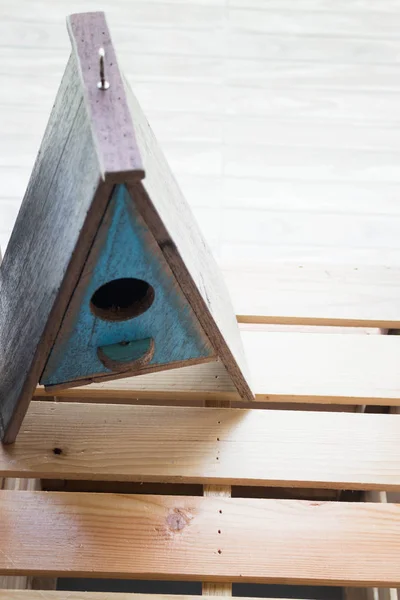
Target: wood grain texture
124, 248
108, 114
330, 76
17, 582
216, 589
45, 256
170, 219
326, 294
195, 382
218, 447
217, 491
165, 537
290, 365
379, 593
285, 367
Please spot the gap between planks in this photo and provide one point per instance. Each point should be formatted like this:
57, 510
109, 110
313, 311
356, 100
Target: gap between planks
67, 595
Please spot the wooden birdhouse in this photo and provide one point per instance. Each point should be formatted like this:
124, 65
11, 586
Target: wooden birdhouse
106, 273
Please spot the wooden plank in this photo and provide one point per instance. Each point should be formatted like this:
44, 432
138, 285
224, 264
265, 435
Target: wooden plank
380, 593
44, 257
285, 367
376, 593
218, 491
314, 22
195, 382
176, 537
304, 294
22, 582
18, 582
363, 8
207, 446
218, 588
329, 367
108, 113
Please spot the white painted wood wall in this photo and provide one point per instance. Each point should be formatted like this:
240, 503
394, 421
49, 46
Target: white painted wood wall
280, 118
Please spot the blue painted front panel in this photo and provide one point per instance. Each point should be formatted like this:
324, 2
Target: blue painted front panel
128, 251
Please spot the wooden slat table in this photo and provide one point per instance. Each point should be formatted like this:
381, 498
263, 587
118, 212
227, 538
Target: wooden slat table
216, 539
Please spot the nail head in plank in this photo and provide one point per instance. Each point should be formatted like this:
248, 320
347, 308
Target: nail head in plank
218, 491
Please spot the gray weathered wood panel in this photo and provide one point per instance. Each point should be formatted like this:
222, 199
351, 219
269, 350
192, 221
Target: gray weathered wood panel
40, 266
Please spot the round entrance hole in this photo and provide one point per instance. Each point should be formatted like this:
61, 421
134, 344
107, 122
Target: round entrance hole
122, 299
